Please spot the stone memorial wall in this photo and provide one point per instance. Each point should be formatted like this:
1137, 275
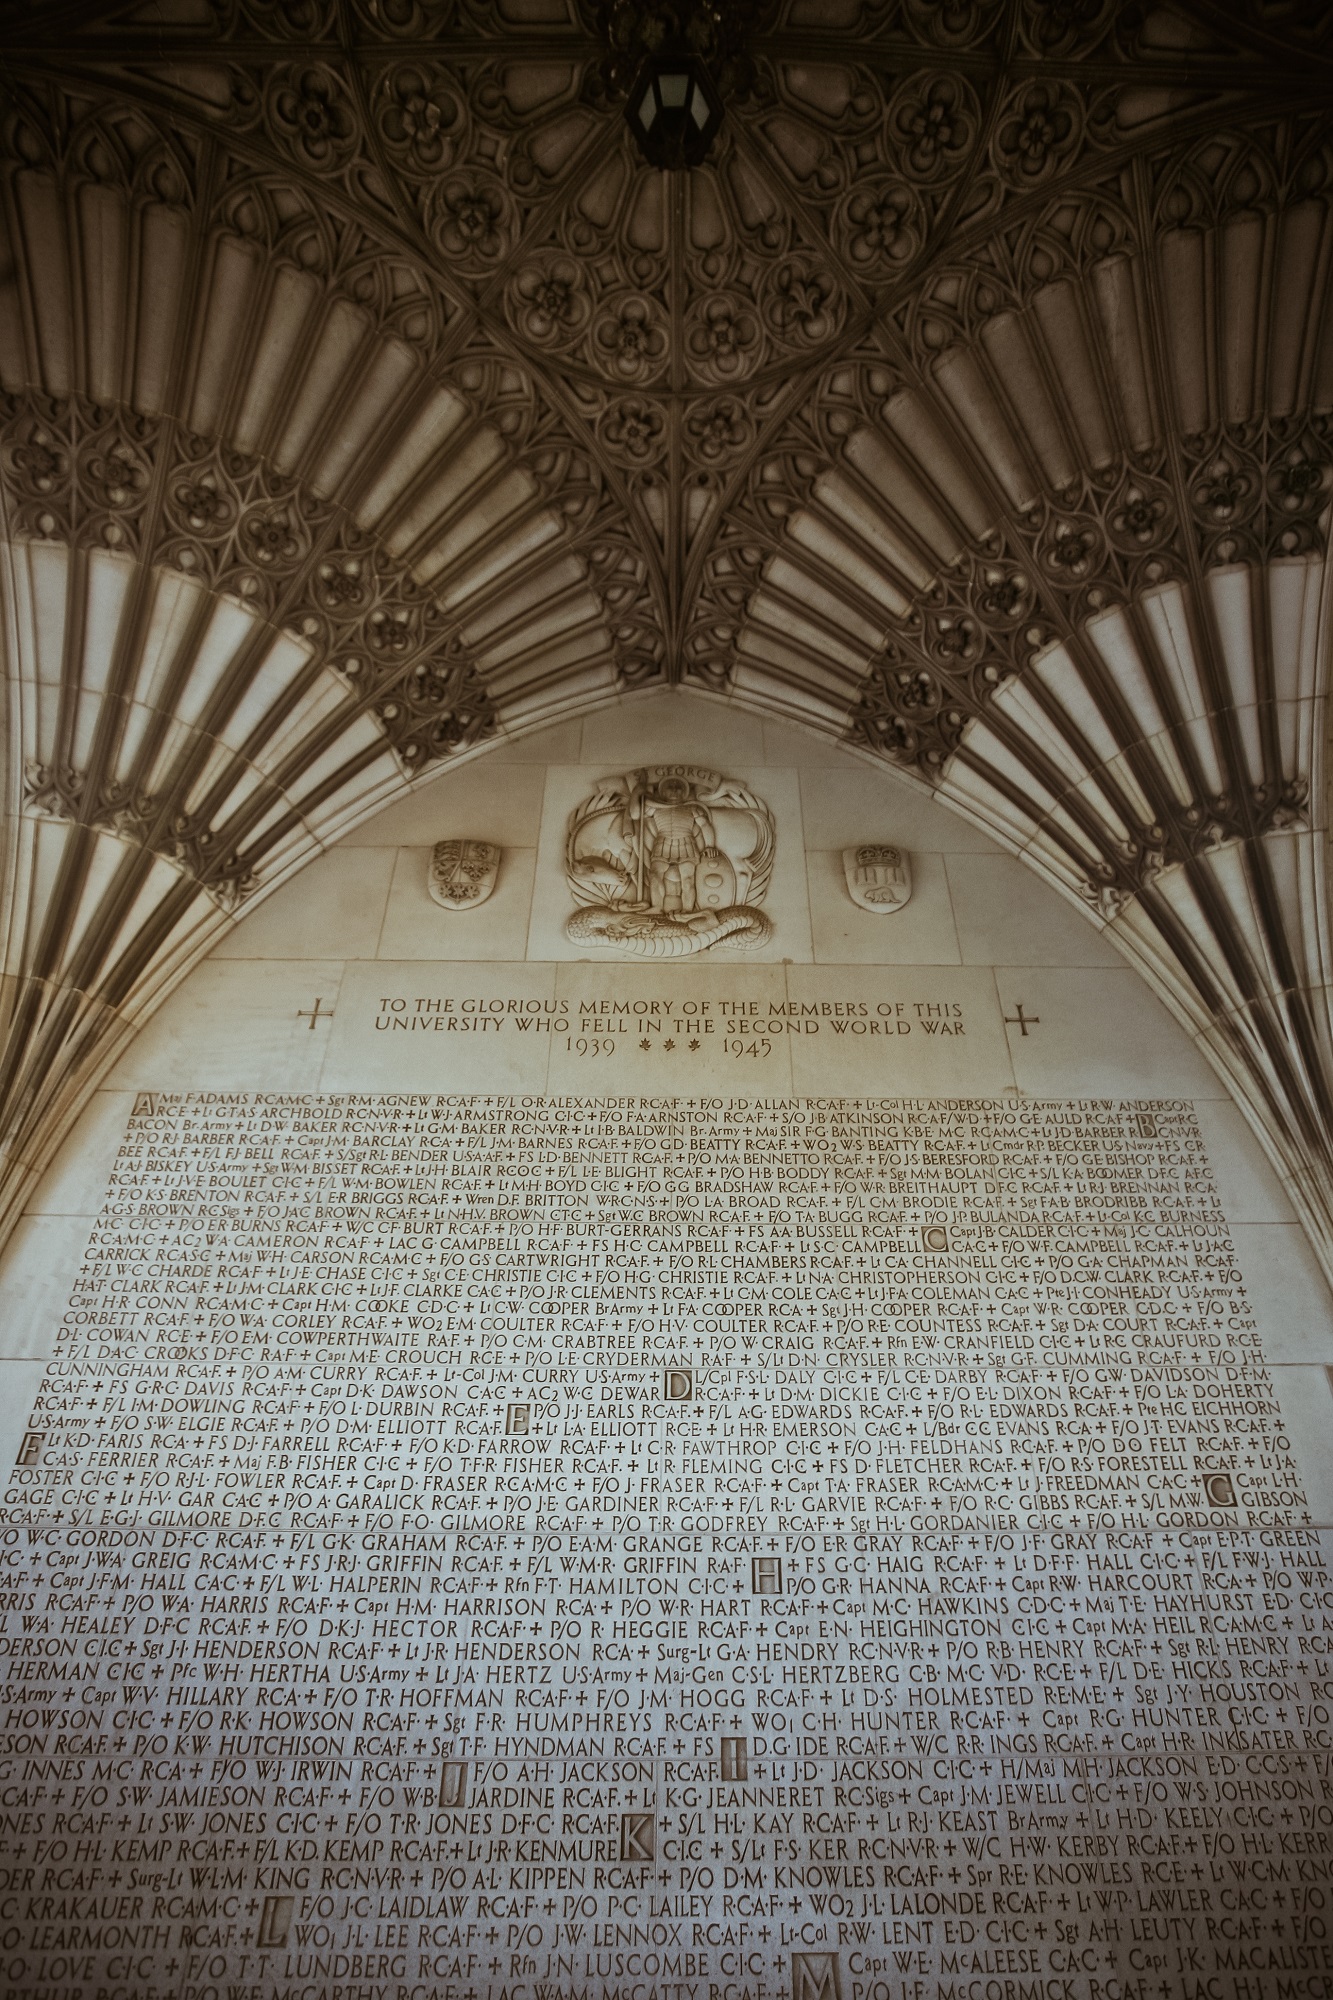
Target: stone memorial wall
662, 1548
666, 1126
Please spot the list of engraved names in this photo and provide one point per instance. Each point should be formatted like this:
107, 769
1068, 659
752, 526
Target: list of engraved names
685, 1548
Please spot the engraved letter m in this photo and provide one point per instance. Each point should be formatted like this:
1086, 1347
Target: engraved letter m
814, 1976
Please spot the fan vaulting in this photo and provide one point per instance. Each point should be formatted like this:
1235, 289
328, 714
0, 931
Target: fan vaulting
366, 397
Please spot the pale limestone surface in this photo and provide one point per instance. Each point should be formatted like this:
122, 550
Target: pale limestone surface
988, 986
415, 926
358, 934
925, 930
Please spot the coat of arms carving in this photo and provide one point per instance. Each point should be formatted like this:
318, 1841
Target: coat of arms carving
879, 877
463, 872
668, 861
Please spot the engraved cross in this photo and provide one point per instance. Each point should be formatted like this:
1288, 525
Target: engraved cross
1018, 1020
313, 1015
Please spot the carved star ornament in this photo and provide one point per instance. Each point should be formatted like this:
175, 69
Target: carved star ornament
368, 395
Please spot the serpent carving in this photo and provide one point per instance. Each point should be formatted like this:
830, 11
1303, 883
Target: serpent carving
650, 936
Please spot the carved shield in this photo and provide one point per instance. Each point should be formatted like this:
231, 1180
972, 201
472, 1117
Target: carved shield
463, 872
879, 878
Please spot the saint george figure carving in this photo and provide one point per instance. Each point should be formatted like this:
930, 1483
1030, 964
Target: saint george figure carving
669, 861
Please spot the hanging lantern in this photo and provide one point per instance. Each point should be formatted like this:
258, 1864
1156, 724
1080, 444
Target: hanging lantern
674, 111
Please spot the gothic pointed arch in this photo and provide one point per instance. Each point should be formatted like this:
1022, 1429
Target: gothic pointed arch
365, 397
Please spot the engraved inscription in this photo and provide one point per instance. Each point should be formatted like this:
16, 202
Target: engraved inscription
641, 1548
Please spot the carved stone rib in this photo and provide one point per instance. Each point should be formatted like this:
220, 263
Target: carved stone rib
364, 397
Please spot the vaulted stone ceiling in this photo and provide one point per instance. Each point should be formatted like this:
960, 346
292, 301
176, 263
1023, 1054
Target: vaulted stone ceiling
366, 397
